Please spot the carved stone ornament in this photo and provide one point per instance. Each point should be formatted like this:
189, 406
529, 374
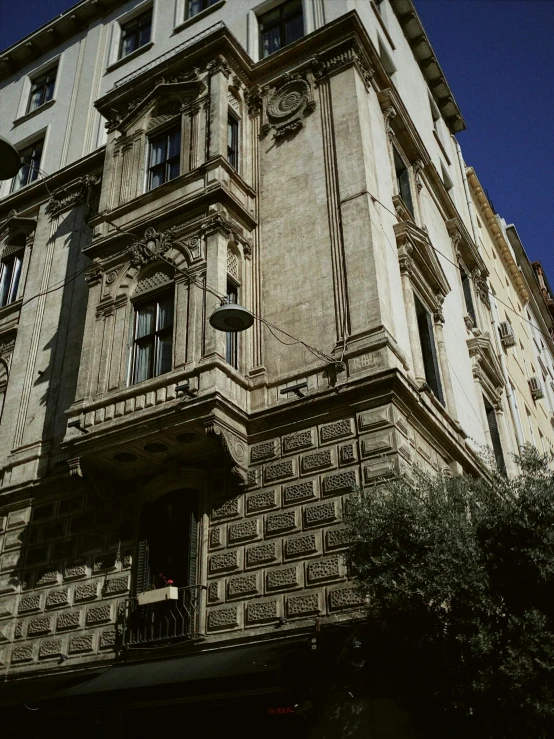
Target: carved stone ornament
119, 115
152, 247
219, 64
418, 169
79, 192
254, 100
291, 101
348, 56
233, 448
481, 287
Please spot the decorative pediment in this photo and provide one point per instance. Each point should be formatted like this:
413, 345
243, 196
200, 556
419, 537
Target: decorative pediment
486, 367
464, 246
417, 257
167, 97
399, 126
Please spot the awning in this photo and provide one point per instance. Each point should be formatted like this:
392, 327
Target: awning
23, 691
211, 664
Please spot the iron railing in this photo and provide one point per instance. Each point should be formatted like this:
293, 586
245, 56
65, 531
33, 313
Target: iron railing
162, 621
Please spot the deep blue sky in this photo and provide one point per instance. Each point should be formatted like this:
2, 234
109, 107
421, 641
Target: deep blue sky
498, 56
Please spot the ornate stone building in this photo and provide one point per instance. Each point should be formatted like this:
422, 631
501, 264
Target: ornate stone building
172, 497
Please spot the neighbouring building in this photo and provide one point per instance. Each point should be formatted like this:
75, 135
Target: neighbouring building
172, 549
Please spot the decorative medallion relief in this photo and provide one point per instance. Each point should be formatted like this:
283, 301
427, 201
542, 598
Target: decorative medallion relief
290, 101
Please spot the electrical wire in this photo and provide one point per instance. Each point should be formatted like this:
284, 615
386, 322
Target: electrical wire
205, 287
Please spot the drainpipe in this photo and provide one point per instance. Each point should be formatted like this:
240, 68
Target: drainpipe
494, 311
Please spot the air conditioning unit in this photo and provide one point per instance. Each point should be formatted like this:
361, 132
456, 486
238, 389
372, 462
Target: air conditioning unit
507, 334
536, 388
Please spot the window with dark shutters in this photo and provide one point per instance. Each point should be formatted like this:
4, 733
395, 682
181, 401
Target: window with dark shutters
428, 349
468, 297
168, 541
495, 436
403, 182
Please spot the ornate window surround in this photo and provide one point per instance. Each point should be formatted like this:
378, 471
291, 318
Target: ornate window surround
421, 273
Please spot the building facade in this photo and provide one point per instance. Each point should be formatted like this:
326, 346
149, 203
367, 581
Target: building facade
172, 496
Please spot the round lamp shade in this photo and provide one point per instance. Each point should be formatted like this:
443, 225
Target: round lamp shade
231, 317
10, 161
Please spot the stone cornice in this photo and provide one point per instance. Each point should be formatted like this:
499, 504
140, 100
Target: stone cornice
496, 232
430, 68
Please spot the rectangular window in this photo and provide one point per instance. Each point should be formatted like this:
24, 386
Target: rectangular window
10, 272
495, 436
153, 341
136, 33
197, 6
281, 26
231, 337
403, 182
30, 169
428, 349
233, 141
42, 89
164, 158
468, 298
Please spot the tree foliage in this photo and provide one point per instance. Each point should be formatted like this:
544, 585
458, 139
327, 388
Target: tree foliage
459, 575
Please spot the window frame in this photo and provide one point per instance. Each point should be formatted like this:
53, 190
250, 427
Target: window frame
468, 295
168, 131
403, 181
233, 149
137, 32
34, 87
11, 292
281, 24
204, 5
145, 575
494, 432
429, 352
152, 337
37, 144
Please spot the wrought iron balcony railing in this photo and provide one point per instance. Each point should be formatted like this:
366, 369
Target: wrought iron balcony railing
163, 620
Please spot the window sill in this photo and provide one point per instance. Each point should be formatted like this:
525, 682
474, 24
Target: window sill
129, 57
13, 307
33, 113
198, 16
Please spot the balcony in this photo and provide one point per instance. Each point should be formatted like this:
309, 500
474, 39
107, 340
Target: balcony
162, 621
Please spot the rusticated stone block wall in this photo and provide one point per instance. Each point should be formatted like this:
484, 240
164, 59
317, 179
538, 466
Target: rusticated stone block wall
277, 551
64, 574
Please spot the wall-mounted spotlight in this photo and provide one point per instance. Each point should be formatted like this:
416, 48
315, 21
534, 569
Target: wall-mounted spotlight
231, 317
75, 423
10, 160
294, 389
186, 389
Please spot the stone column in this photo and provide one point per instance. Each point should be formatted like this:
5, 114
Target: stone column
418, 369
219, 82
217, 237
443, 361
